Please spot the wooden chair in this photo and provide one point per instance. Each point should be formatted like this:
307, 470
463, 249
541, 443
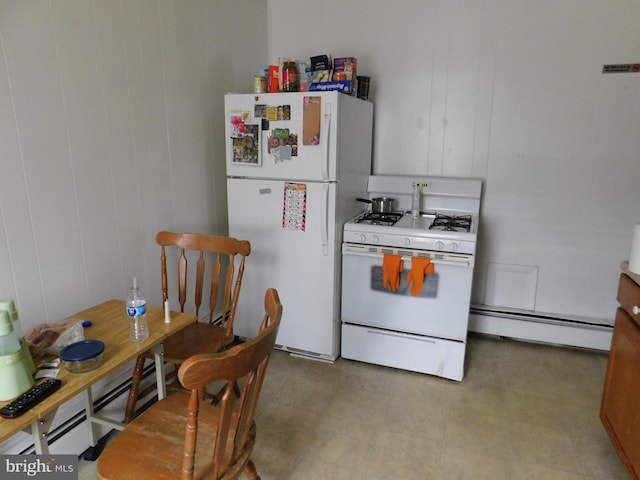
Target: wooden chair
216, 440
199, 337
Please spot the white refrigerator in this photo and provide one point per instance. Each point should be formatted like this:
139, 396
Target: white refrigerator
296, 162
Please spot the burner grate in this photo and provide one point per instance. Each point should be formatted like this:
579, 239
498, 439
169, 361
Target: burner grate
374, 218
454, 223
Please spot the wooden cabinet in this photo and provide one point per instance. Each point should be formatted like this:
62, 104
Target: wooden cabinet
620, 409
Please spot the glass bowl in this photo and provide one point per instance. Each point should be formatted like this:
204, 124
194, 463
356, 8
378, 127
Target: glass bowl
82, 356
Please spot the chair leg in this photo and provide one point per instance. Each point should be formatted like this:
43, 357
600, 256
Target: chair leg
250, 471
135, 388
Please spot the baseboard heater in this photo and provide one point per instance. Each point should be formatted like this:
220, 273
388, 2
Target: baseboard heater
80, 417
64, 436
540, 327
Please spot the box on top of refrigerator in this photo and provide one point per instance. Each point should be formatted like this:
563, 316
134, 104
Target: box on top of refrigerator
344, 69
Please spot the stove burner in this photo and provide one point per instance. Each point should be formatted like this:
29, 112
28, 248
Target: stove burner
461, 223
371, 218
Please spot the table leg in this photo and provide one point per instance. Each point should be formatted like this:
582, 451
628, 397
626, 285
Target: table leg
91, 428
158, 353
40, 432
96, 445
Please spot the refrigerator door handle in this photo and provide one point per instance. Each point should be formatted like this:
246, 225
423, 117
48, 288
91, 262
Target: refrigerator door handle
324, 227
325, 129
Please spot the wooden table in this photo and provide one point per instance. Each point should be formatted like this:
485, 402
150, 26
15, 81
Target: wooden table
111, 326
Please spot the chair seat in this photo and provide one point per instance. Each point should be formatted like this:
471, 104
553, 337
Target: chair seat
191, 340
161, 429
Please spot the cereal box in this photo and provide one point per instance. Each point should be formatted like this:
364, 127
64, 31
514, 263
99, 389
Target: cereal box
344, 68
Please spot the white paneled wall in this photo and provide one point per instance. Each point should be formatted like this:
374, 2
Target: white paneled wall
111, 129
432, 68
510, 91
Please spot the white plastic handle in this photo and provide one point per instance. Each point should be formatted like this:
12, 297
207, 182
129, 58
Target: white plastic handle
385, 333
450, 262
325, 128
325, 219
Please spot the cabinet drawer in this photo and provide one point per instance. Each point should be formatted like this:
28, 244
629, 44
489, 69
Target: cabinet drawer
629, 297
619, 412
434, 356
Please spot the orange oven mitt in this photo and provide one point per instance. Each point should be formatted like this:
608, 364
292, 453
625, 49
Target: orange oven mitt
419, 268
392, 265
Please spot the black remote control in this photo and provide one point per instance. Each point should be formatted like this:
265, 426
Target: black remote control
30, 398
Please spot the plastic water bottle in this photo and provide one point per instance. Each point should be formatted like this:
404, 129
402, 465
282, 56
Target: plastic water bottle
137, 313
415, 201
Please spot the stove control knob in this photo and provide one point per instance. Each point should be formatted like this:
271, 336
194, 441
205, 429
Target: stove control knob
376, 239
439, 245
363, 238
453, 246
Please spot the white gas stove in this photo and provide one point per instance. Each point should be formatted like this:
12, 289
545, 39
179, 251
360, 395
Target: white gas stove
423, 330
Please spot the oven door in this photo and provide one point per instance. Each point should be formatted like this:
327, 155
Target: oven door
440, 310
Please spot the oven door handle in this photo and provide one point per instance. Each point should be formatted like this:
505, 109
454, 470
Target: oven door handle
458, 262
463, 263
414, 338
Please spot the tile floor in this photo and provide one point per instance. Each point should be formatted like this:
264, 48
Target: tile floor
523, 412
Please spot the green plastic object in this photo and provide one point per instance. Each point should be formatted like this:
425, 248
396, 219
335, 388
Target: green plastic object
10, 307
15, 377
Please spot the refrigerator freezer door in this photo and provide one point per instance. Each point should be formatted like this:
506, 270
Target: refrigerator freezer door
281, 124
300, 262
